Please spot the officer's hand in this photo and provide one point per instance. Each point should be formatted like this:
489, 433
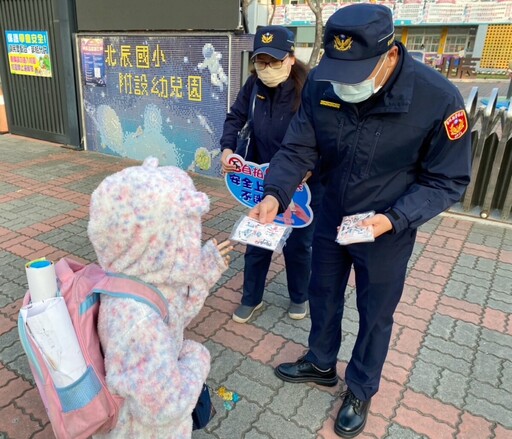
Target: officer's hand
266, 211
226, 167
380, 223
306, 177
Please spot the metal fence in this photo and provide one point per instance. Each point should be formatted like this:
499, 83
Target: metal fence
489, 195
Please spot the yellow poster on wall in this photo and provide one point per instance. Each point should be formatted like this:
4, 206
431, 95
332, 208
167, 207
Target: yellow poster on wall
29, 53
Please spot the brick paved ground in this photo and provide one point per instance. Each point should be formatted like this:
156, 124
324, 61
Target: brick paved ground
448, 372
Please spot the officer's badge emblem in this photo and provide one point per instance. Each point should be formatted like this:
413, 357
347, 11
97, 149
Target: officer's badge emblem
456, 125
342, 43
267, 38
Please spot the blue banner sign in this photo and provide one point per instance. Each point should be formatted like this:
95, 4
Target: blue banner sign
246, 186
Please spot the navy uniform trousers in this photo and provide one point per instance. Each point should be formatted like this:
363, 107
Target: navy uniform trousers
380, 269
297, 257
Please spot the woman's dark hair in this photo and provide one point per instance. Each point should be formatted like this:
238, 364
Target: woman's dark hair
298, 74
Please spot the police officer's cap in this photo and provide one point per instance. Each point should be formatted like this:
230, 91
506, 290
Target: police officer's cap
276, 41
355, 38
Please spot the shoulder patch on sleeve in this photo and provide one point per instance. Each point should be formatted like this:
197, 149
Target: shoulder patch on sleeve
330, 104
456, 125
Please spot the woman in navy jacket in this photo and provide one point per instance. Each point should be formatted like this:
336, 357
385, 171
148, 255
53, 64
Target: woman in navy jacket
278, 78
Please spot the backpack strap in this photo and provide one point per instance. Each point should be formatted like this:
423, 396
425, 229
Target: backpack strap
65, 268
129, 287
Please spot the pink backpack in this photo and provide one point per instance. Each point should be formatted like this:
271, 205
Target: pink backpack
86, 407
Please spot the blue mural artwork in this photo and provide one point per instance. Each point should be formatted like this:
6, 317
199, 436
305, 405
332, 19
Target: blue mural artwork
246, 186
164, 96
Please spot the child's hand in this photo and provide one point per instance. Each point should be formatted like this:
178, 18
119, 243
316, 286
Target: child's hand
224, 248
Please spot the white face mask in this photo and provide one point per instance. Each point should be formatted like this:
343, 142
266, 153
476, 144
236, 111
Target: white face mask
274, 77
358, 92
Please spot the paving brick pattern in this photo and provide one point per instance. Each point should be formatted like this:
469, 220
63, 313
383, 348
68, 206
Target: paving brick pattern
449, 368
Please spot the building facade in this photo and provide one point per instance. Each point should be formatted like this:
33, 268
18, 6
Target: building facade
439, 28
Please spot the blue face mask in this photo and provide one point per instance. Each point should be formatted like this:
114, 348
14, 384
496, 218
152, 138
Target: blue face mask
355, 93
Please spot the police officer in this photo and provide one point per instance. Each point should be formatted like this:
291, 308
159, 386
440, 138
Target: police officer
392, 137
272, 94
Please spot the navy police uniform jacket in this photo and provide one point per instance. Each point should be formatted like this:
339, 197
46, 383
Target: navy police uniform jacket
273, 111
406, 152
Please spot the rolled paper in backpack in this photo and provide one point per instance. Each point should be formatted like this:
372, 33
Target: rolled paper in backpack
42, 280
51, 328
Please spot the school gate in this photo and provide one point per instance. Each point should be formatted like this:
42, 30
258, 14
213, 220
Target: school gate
37, 69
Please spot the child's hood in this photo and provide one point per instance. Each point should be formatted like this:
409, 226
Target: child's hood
145, 221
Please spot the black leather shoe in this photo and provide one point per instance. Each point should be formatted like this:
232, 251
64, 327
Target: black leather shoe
303, 371
352, 416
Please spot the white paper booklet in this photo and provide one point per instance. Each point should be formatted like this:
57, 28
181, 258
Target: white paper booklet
270, 236
350, 232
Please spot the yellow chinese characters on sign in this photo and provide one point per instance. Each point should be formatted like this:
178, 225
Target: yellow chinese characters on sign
130, 59
144, 56
176, 87
195, 88
138, 85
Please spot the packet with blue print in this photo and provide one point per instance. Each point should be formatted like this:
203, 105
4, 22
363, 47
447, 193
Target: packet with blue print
351, 232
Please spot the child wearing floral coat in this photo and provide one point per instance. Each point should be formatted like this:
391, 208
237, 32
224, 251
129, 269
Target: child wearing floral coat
145, 221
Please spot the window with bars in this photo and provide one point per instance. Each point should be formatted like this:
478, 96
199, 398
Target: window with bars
454, 43
426, 40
